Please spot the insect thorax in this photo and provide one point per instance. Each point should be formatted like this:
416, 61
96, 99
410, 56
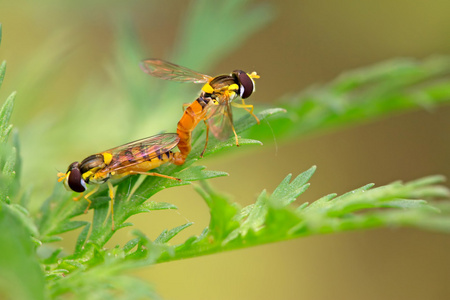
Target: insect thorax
90, 168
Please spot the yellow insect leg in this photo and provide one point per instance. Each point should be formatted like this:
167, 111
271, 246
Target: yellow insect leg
87, 198
111, 196
247, 107
154, 174
235, 134
78, 197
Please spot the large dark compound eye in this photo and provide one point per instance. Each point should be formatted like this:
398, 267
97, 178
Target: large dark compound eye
247, 85
75, 181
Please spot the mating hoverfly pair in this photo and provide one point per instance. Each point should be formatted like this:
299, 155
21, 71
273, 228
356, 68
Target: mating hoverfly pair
213, 106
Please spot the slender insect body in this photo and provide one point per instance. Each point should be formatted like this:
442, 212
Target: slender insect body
137, 157
213, 106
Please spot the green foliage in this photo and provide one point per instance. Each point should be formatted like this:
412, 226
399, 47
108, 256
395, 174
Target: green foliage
93, 271
21, 276
2, 72
8, 152
361, 95
272, 218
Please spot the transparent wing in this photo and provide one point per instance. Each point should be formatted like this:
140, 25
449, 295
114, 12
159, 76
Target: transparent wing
220, 120
169, 71
141, 150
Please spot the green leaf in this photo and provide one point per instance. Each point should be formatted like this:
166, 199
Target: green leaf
15, 187
167, 235
254, 220
7, 174
149, 206
20, 272
152, 205
2, 72
99, 224
53, 257
22, 215
196, 173
68, 226
50, 239
131, 244
5, 115
248, 120
222, 213
230, 143
286, 192
283, 195
82, 239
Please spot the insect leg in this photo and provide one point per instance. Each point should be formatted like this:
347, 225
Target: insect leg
247, 107
87, 198
111, 196
207, 137
77, 197
154, 174
235, 134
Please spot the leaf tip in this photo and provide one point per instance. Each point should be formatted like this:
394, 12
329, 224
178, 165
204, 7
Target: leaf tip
309, 173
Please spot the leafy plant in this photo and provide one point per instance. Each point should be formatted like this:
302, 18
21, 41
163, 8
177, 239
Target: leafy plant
31, 268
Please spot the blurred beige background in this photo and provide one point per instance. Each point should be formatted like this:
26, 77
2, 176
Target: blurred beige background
308, 42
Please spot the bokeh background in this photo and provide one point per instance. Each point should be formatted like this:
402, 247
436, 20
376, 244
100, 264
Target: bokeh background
80, 90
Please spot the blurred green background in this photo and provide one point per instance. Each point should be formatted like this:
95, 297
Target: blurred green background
80, 91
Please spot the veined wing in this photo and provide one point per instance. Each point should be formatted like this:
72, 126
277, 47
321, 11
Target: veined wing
220, 120
141, 150
169, 71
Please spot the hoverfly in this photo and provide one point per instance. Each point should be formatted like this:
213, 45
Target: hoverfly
213, 106
137, 157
